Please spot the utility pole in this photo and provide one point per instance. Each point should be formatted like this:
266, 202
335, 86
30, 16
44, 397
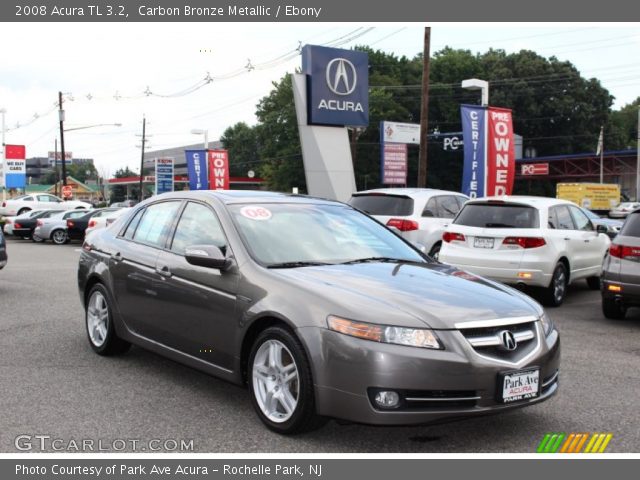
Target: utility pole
638, 159
55, 166
144, 125
601, 152
2, 170
424, 110
62, 156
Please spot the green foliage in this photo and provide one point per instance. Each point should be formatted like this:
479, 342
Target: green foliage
241, 141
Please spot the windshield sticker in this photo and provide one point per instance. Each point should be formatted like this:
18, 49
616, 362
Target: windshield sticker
254, 212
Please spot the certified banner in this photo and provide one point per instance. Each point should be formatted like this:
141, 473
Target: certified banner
197, 169
219, 169
15, 168
489, 151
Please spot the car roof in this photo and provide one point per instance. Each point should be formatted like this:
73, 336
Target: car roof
230, 197
409, 192
538, 202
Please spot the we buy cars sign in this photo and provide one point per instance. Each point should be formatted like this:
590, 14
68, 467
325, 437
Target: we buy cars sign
15, 168
218, 169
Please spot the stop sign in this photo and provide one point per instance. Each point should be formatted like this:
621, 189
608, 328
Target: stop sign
67, 192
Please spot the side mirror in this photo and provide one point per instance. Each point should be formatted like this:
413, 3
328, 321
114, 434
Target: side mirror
208, 256
602, 229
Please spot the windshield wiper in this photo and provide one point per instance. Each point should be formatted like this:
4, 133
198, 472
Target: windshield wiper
297, 264
498, 225
377, 259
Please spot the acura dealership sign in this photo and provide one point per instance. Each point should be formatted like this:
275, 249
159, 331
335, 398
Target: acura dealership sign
337, 86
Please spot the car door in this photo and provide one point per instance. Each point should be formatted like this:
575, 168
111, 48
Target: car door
46, 201
198, 312
132, 266
593, 244
568, 241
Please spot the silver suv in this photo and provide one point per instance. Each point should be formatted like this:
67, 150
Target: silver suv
621, 270
421, 214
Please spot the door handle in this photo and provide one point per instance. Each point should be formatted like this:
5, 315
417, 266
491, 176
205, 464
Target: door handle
567, 239
587, 241
164, 271
117, 256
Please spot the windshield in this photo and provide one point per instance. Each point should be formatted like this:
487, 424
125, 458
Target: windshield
292, 234
497, 215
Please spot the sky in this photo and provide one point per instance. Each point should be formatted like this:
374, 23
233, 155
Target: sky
114, 74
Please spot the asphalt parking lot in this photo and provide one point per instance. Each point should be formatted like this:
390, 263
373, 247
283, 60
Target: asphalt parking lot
53, 384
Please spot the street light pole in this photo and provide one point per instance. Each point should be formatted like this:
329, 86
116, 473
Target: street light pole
61, 117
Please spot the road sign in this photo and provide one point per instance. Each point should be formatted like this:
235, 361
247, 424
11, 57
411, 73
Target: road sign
67, 192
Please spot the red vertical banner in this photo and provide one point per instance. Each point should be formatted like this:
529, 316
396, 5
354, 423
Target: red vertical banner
501, 161
218, 169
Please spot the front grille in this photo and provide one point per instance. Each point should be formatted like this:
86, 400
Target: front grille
487, 341
430, 399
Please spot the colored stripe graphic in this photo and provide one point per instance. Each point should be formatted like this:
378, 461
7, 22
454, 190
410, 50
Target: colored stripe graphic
556, 442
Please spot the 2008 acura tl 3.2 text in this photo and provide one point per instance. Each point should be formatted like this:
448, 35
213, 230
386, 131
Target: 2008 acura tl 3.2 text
319, 309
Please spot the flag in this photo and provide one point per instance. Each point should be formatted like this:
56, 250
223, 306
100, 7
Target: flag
600, 148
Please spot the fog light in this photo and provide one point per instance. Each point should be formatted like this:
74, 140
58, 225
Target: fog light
614, 288
524, 275
387, 399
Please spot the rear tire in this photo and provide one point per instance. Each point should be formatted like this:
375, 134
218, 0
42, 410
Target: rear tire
593, 283
557, 289
612, 309
101, 331
59, 237
280, 383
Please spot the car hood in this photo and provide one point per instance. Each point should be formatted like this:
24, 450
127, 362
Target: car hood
436, 295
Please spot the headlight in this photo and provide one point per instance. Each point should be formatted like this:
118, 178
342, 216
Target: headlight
411, 337
547, 324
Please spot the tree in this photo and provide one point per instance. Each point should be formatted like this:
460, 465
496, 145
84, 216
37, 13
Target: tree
241, 141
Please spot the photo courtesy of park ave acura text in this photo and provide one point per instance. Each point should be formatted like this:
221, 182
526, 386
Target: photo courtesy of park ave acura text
305, 235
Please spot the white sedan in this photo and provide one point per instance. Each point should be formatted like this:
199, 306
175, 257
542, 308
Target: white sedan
103, 220
40, 201
527, 241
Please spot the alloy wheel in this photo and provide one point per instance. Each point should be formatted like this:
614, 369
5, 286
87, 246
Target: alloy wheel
97, 319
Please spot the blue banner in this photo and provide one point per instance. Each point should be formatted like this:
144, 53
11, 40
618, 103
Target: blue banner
197, 169
475, 150
337, 86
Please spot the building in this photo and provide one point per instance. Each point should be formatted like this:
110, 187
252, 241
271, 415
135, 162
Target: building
81, 191
39, 167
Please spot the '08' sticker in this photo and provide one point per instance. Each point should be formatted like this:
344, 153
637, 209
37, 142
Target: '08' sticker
255, 213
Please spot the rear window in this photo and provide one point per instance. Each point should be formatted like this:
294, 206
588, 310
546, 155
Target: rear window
503, 215
631, 227
381, 204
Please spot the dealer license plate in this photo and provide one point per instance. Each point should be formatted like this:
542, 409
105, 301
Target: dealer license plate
483, 242
520, 385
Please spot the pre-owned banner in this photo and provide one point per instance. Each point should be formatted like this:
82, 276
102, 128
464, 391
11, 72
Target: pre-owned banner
219, 169
15, 169
489, 152
197, 169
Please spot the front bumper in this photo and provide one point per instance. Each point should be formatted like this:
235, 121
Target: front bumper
345, 370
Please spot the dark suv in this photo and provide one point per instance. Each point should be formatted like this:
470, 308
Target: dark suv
3, 251
621, 270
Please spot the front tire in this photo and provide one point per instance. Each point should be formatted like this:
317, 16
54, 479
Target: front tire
612, 309
557, 289
101, 331
280, 383
36, 239
593, 283
59, 237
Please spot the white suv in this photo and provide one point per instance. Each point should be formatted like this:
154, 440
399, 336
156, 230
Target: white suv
542, 242
421, 214
41, 201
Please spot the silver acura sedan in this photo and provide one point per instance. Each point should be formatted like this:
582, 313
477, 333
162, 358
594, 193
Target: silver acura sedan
318, 309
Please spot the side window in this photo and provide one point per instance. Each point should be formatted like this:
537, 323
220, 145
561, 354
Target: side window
564, 218
133, 224
449, 207
27, 199
580, 219
198, 225
155, 223
431, 208
76, 214
553, 220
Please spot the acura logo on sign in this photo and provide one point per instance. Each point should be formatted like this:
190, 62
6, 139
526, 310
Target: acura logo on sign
509, 341
341, 76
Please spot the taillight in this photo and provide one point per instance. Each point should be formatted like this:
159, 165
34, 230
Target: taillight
39, 223
621, 251
525, 242
4, 204
452, 237
92, 223
17, 225
402, 224
70, 223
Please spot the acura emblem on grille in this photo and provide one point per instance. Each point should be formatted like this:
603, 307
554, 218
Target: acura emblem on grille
509, 341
